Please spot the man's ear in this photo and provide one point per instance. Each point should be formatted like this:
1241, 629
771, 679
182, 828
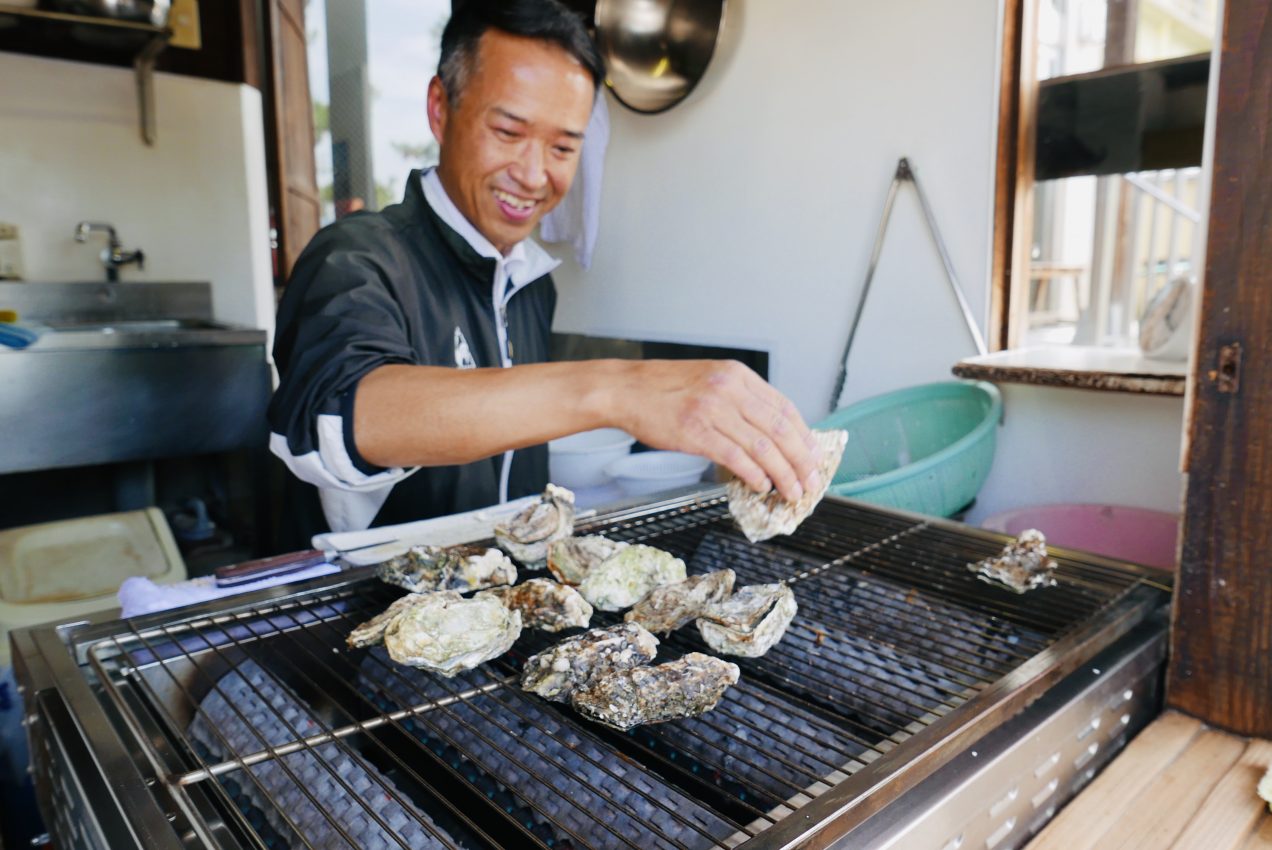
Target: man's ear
438, 108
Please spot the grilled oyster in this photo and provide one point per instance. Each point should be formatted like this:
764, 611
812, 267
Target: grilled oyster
372, 631
622, 579
571, 558
447, 633
1022, 565
424, 568
579, 661
688, 687
527, 535
765, 515
544, 604
750, 621
665, 609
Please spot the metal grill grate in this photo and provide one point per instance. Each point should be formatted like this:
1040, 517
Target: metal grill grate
259, 719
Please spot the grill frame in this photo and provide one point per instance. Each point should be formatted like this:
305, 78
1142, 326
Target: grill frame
139, 786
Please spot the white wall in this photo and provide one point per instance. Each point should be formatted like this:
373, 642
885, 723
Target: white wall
196, 203
746, 214
1064, 445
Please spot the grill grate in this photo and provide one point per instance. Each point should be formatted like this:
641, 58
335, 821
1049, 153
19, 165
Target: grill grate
261, 717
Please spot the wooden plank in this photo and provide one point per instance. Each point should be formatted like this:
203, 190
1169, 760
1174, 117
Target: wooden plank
1159, 814
1081, 824
1220, 666
1006, 176
1232, 811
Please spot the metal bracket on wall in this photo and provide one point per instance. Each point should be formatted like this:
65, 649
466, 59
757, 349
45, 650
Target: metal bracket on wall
904, 173
143, 63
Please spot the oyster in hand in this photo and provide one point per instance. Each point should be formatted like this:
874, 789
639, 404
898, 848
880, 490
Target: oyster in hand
665, 609
750, 621
424, 568
545, 604
624, 578
447, 633
527, 535
579, 661
570, 559
1022, 565
372, 631
688, 687
765, 515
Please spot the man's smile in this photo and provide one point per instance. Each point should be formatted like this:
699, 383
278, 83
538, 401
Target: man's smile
514, 206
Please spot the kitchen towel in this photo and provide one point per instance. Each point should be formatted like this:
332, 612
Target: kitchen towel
577, 218
139, 595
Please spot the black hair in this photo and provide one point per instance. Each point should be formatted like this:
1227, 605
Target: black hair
549, 20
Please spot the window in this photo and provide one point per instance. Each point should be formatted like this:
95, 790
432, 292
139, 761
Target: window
1105, 187
369, 66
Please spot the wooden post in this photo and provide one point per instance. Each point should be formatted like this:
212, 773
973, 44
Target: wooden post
1221, 637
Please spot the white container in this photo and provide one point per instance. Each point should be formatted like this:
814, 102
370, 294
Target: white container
652, 472
579, 460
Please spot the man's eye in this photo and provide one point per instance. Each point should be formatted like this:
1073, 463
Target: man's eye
565, 150
505, 133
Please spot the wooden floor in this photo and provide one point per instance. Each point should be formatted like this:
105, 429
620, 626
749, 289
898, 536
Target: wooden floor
1178, 785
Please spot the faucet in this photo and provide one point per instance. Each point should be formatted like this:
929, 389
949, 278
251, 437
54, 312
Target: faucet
113, 255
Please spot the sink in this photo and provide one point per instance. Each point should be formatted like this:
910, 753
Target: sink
124, 372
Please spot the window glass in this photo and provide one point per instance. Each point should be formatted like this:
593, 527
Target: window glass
369, 66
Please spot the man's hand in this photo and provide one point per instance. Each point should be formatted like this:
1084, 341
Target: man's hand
724, 411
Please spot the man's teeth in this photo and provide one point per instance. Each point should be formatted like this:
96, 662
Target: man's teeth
513, 201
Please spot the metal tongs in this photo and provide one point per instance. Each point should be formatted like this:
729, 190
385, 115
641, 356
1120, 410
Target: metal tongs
904, 173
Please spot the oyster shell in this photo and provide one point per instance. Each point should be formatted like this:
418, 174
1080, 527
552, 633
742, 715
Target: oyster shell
750, 621
545, 604
571, 558
447, 633
622, 579
578, 661
765, 515
665, 609
372, 631
425, 568
1022, 565
688, 687
527, 535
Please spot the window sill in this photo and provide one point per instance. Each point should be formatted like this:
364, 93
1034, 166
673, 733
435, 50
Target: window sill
1123, 370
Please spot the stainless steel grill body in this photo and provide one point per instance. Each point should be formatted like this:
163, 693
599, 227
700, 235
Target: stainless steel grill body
250, 724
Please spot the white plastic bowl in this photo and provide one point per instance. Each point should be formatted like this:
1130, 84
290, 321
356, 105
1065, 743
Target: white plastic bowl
652, 472
579, 460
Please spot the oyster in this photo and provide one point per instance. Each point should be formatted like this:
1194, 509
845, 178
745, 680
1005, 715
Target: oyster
527, 535
750, 621
579, 661
765, 515
688, 687
544, 604
622, 579
571, 558
372, 631
1022, 565
665, 609
447, 633
463, 568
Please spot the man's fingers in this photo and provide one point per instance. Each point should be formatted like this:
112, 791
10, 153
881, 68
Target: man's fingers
777, 417
765, 453
725, 452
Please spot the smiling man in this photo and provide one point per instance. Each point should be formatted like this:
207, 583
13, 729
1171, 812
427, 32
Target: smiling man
412, 343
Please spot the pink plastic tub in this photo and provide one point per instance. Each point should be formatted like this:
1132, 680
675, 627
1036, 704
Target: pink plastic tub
1138, 535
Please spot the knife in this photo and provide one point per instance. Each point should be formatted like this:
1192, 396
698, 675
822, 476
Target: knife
278, 565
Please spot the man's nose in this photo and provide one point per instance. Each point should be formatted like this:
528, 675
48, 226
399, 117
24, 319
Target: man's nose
530, 168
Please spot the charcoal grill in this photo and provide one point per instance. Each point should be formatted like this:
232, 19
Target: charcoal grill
908, 705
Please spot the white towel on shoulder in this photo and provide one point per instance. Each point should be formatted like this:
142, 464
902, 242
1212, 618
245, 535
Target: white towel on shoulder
577, 218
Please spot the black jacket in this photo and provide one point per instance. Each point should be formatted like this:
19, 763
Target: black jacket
398, 286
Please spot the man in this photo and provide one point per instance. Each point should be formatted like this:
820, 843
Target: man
398, 333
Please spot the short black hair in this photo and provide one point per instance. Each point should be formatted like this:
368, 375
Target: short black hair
549, 20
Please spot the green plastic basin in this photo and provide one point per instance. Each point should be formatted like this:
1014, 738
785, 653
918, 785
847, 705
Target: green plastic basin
926, 449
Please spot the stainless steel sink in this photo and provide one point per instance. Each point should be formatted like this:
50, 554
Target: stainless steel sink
125, 372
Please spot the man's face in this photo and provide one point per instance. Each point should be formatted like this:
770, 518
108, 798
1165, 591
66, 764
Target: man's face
510, 146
